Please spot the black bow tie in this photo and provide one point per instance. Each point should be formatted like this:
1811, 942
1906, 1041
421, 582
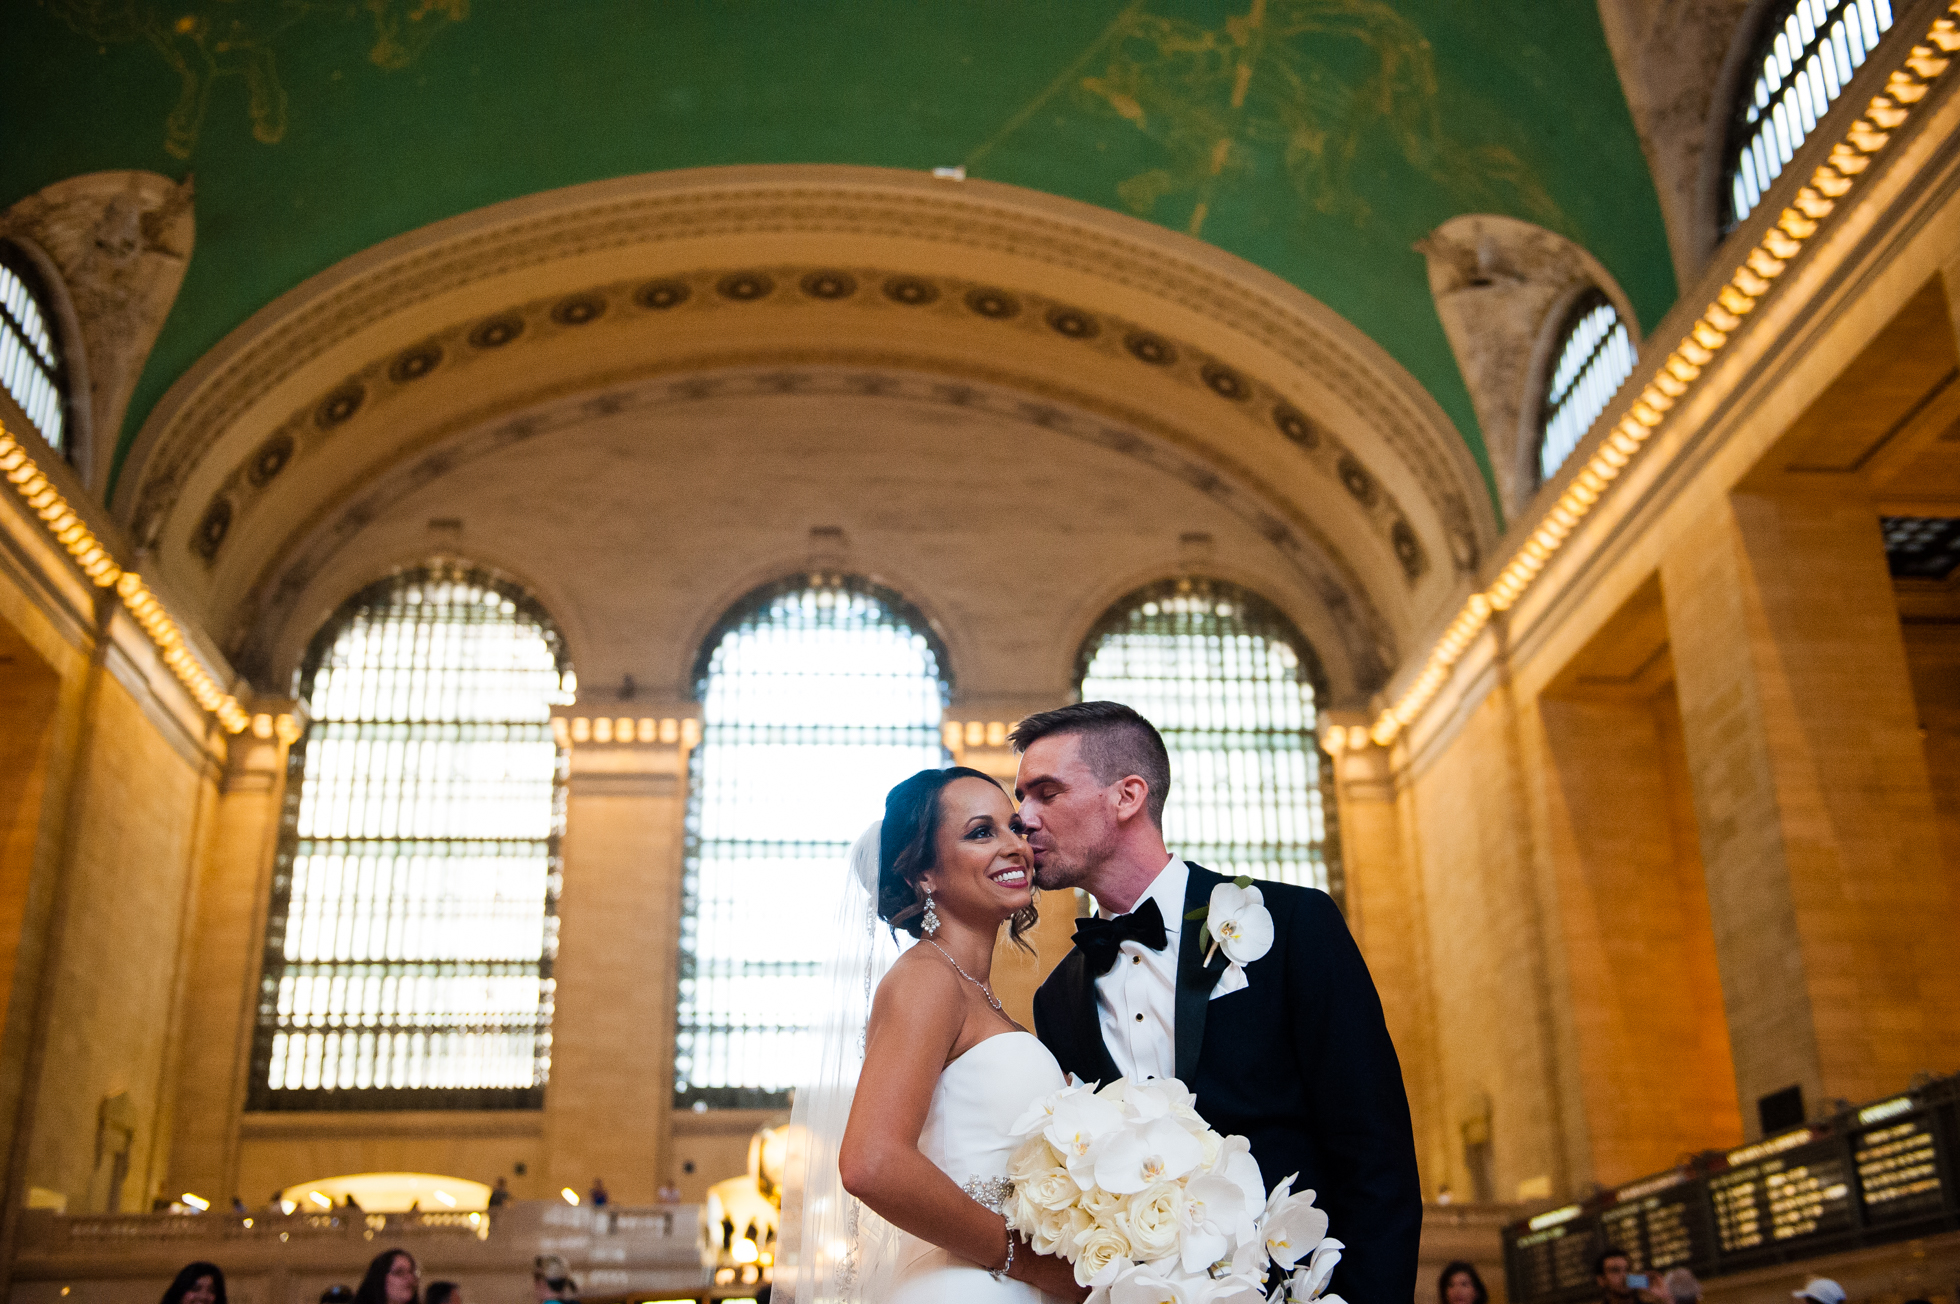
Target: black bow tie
1099, 939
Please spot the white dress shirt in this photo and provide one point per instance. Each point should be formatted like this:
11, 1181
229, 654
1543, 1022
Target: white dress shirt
1136, 1001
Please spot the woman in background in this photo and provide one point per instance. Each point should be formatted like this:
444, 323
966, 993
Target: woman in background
1460, 1284
198, 1283
391, 1278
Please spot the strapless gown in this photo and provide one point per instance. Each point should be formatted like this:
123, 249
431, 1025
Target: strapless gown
979, 1097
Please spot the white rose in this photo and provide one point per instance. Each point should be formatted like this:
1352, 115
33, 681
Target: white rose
1034, 1158
1101, 1205
1210, 1147
1152, 1221
1050, 1190
1097, 1247
1052, 1231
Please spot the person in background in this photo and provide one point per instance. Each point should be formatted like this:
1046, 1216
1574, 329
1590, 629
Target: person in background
1613, 1268
443, 1292
1820, 1290
238, 1206
599, 1196
551, 1281
1680, 1286
198, 1283
500, 1193
277, 1204
352, 1205
337, 1294
392, 1277
1460, 1284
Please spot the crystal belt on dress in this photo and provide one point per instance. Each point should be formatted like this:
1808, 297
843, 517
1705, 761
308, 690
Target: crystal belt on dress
990, 1193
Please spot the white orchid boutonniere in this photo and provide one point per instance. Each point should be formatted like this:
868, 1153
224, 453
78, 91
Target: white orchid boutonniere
1240, 926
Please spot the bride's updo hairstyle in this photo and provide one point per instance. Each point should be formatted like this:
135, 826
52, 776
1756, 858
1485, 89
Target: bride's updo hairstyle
908, 848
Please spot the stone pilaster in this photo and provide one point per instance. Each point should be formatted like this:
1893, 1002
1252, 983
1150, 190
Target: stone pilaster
1816, 820
612, 1063
213, 1056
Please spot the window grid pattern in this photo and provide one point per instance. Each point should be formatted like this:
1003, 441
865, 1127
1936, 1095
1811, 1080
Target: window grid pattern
1595, 356
817, 695
1233, 688
413, 924
30, 360
1921, 547
1808, 53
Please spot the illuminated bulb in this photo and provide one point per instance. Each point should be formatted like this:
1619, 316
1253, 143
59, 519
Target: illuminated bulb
319, 1199
571, 1196
196, 1202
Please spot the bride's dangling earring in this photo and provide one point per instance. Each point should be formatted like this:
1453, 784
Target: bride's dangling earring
930, 924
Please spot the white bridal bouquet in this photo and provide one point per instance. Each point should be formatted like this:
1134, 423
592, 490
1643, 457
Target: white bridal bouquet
1131, 1186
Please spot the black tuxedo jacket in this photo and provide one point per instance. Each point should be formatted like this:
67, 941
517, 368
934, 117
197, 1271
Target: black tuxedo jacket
1298, 1062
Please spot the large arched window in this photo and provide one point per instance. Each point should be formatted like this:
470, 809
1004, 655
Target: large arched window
31, 368
1594, 356
1234, 689
1802, 62
817, 695
409, 950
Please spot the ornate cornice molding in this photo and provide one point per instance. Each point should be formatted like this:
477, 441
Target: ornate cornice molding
225, 390
1369, 646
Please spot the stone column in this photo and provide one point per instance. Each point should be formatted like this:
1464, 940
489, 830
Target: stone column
1831, 906
1382, 899
612, 1039
220, 1010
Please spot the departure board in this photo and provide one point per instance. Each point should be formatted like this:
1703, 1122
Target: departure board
1741, 1223
1656, 1221
1864, 1176
1898, 1169
1808, 1192
1557, 1259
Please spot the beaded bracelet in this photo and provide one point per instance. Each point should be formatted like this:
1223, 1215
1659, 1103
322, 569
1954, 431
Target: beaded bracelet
1000, 1273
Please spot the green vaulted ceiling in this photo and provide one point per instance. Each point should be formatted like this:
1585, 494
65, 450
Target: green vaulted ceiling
1319, 139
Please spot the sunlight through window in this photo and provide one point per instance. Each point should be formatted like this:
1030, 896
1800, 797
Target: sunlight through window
1595, 356
409, 951
1807, 54
30, 358
1231, 685
817, 695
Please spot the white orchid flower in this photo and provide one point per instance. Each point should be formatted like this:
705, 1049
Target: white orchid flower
1158, 1151
1078, 1126
1143, 1104
1037, 1116
1308, 1282
1238, 923
1145, 1284
1214, 1215
1233, 1289
1236, 1164
1293, 1229
1280, 1195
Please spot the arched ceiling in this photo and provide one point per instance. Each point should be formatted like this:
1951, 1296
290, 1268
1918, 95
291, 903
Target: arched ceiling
1319, 139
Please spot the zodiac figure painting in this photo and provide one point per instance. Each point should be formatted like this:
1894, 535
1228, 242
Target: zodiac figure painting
1290, 87
204, 40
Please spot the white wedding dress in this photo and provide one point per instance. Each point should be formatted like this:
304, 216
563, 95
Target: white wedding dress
967, 1134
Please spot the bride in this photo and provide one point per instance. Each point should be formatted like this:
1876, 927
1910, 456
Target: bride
945, 1073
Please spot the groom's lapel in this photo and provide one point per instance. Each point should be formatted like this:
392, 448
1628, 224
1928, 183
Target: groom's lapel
1093, 1062
1195, 978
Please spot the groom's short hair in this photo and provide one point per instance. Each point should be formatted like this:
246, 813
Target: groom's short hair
1116, 743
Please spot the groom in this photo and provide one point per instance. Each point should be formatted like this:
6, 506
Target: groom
1292, 1054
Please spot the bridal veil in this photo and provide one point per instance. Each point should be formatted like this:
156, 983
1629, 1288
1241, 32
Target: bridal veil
831, 1249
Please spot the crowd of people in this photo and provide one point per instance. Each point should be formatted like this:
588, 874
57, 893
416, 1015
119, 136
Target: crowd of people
392, 1277
1619, 1284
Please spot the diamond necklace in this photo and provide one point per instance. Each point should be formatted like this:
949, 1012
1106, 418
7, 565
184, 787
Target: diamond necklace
985, 990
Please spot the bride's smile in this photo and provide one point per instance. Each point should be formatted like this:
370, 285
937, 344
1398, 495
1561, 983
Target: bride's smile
984, 871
